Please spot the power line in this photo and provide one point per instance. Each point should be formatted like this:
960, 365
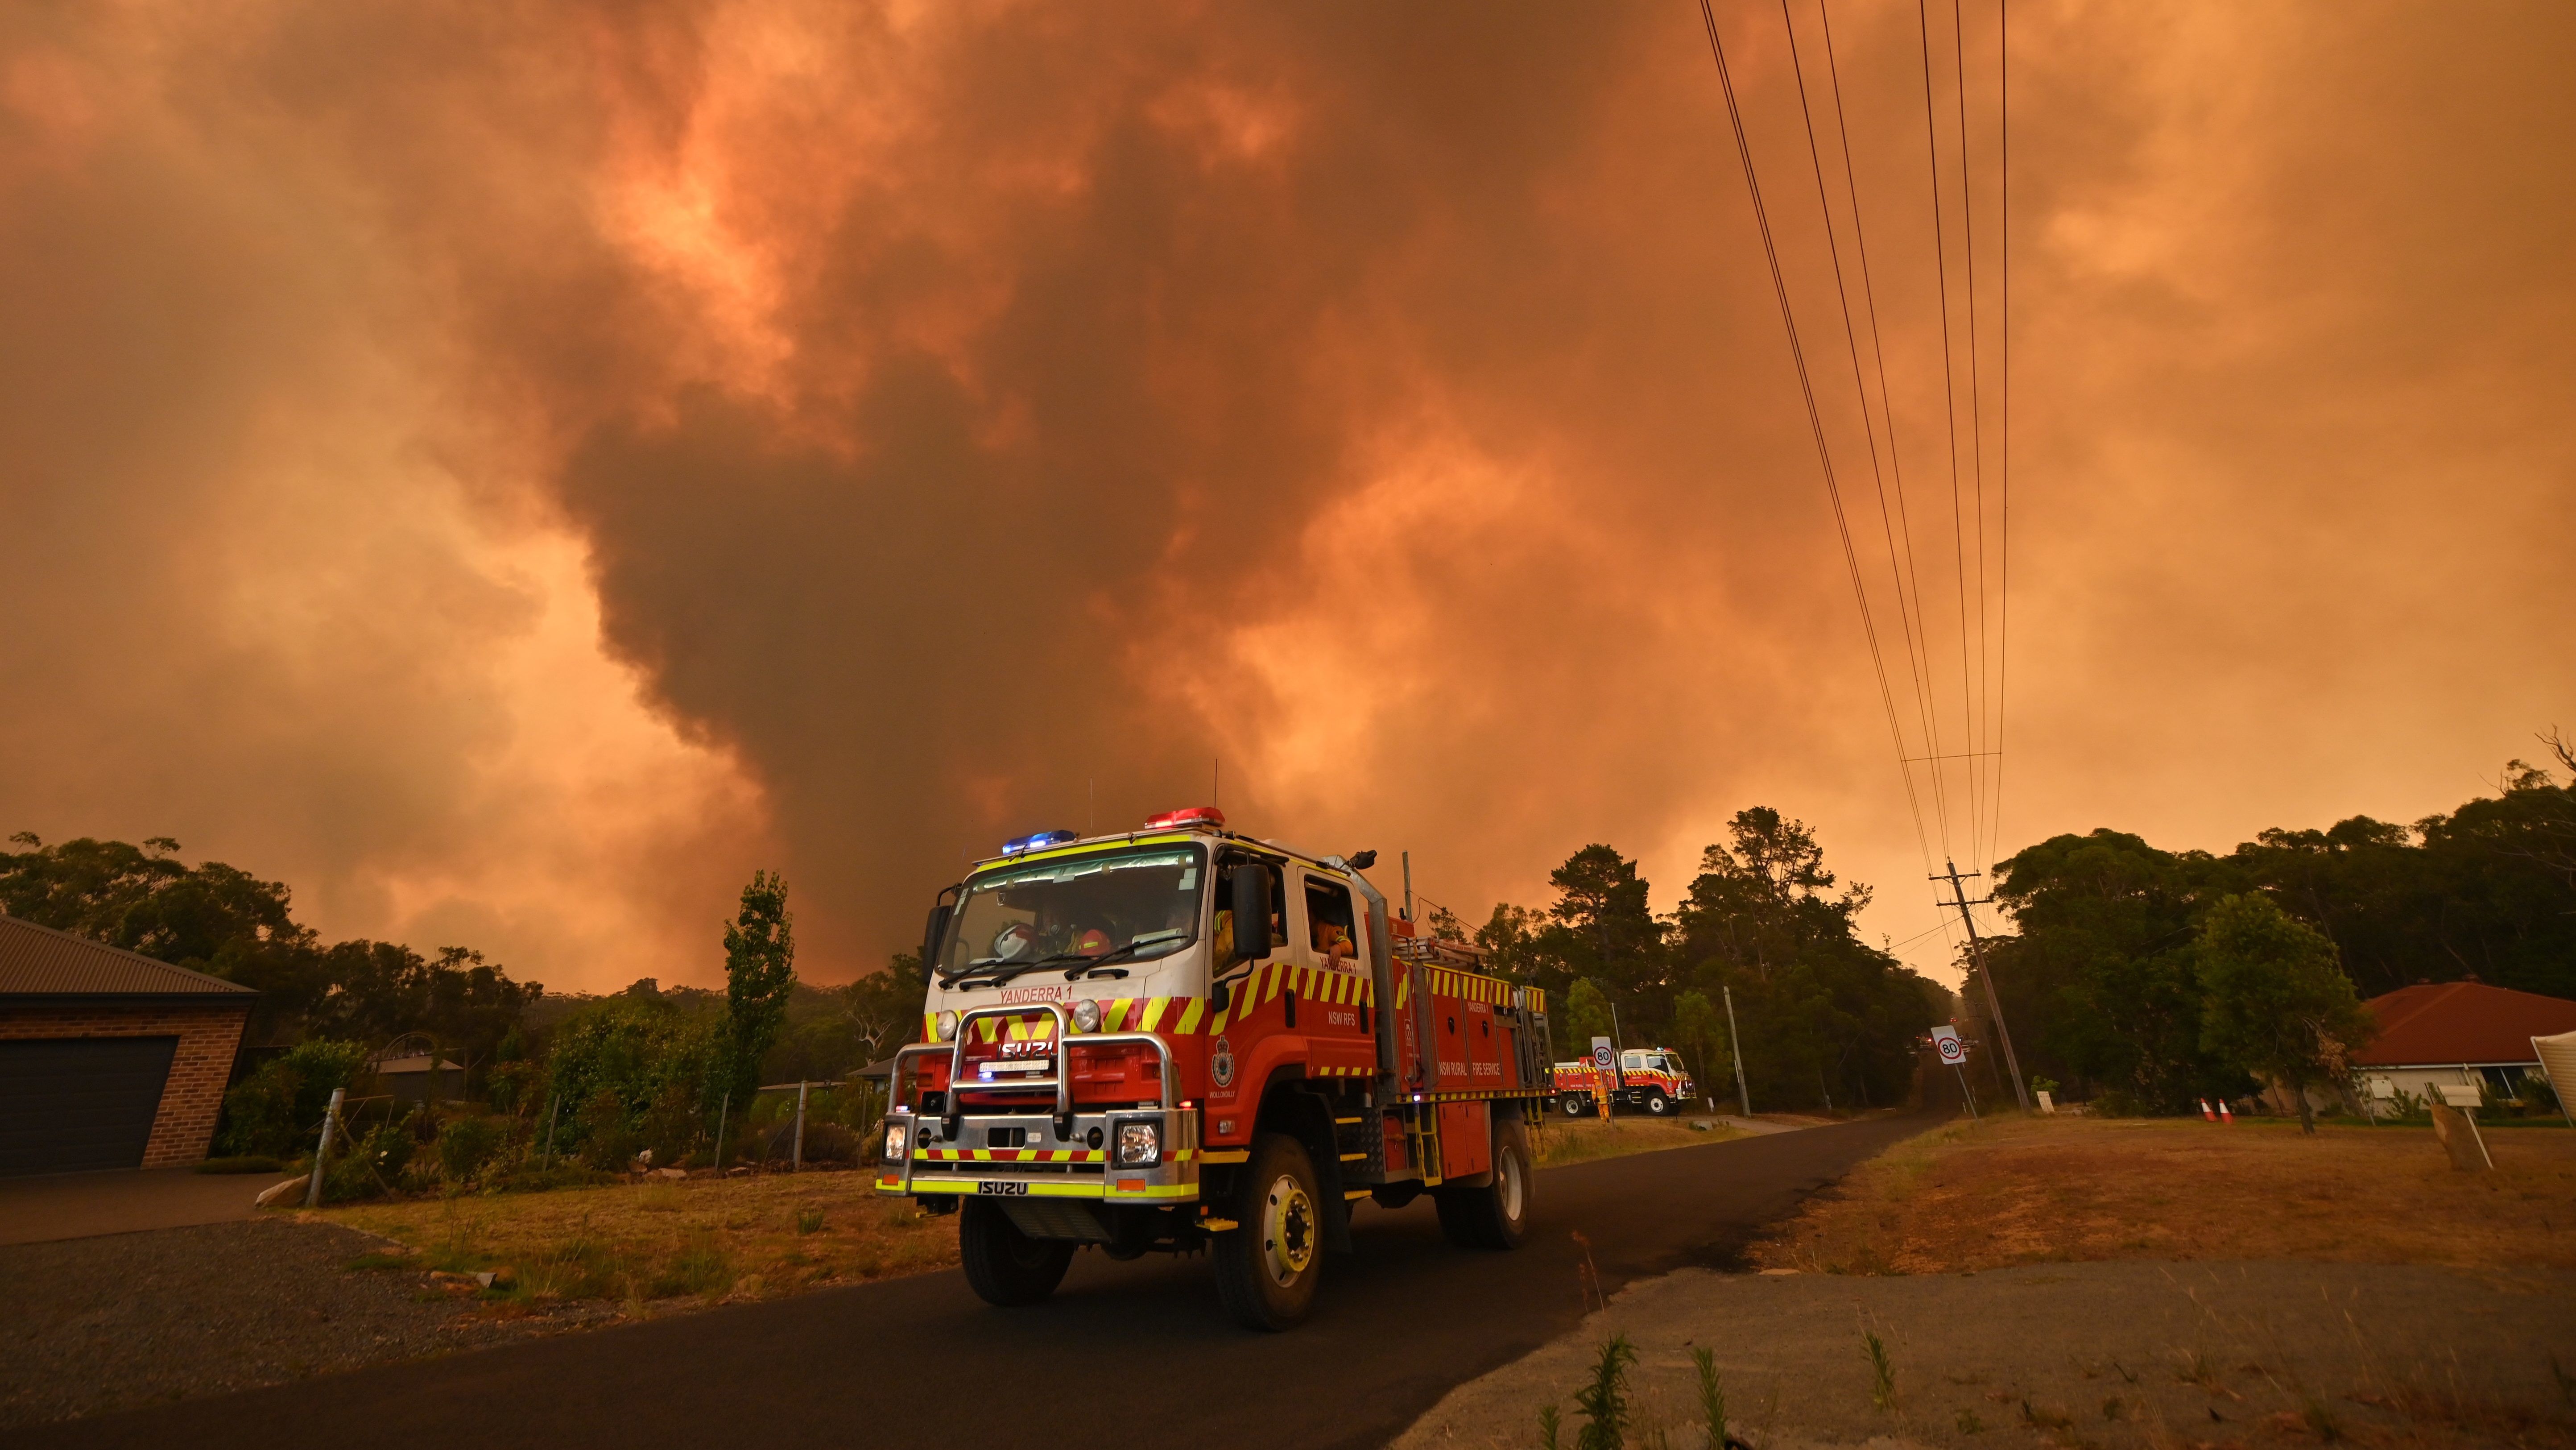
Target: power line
1976, 398
1887, 412
1815, 421
1949, 386
2003, 576
1920, 671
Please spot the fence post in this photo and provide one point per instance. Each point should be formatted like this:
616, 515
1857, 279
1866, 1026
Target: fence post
322, 1154
797, 1165
554, 1110
721, 1114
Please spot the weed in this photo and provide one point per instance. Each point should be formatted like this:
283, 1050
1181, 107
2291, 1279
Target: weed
1587, 1277
1882, 1375
1969, 1424
1547, 1425
2197, 1368
2044, 1419
809, 1220
2112, 1409
1712, 1398
658, 1198
700, 1268
2319, 1420
1604, 1402
2566, 1382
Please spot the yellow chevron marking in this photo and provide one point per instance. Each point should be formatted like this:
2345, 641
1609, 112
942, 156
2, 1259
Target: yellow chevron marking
1154, 1011
1190, 1016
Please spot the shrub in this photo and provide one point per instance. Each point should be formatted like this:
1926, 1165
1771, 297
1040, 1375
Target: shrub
277, 1110
466, 1144
373, 1165
633, 1073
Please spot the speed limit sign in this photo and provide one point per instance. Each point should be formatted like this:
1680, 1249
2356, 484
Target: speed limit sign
1605, 1057
1946, 1040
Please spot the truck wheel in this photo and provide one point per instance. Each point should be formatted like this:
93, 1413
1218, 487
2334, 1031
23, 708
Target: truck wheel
1267, 1265
1657, 1105
1496, 1215
1003, 1265
1576, 1107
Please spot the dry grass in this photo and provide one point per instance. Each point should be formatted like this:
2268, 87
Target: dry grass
2053, 1189
1580, 1140
710, 1239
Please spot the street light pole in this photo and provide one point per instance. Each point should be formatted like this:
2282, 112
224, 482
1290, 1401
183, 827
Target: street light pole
1735, 1048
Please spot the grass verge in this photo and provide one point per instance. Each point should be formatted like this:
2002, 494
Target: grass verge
2015, 1190
706, 1239
1580, 1140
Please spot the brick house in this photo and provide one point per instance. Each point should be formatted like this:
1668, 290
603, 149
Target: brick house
108, 1059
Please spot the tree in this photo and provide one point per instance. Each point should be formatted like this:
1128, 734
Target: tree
760, 975
1509, 938
222, 920
1699, 1030
1587, 1015
1822, 1011
2099, 984
2277, 1000
1601, 925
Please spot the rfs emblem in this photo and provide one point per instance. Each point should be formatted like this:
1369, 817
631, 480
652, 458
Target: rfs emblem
1221, 1065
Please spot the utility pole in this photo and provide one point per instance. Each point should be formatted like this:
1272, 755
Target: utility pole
1977, 956
1735, 1047
1408, 886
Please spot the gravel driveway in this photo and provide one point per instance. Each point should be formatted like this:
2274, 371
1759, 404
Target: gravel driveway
100, 1324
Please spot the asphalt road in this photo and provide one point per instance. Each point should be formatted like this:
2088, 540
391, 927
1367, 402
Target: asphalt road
1125, 1354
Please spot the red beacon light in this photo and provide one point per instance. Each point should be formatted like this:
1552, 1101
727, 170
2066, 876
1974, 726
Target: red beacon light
1186, 816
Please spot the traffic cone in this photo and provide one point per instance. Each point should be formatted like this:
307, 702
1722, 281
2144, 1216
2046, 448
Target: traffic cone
2205, 1112
2225, 1116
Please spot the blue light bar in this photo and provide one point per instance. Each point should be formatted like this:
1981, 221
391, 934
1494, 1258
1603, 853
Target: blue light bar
1040, 841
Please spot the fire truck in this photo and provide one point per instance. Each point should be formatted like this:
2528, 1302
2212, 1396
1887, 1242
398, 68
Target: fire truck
1181, 1039
1651, 1078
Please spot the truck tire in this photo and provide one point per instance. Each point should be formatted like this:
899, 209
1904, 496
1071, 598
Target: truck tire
1267, 1265
1657, 1105
1577, 1106
1003, 1265
1496, 1215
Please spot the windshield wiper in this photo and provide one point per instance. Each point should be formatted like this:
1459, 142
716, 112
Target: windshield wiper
1118, 954
995, 969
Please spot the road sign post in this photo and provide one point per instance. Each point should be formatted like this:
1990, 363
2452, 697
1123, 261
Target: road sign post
1945, 1040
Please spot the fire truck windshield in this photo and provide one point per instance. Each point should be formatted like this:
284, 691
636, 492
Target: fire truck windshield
1071, 911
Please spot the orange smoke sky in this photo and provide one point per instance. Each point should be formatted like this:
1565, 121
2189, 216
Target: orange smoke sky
510, 474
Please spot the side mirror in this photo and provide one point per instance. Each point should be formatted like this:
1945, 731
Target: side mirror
1251, 912
931, 932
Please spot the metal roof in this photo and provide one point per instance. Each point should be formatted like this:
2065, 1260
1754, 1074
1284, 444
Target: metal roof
38, 961
2461, 1022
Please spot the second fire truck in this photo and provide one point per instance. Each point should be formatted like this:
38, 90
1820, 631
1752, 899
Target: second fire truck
1181, 1039
1650, 1079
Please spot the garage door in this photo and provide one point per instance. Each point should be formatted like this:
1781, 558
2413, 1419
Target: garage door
82, 1102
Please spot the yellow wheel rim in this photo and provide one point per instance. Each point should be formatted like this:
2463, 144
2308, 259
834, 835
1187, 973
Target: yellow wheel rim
1287, 1231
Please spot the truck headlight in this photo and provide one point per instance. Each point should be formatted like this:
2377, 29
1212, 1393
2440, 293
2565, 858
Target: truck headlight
898, 1143
1086, 1016
1140, 1143
947, 1026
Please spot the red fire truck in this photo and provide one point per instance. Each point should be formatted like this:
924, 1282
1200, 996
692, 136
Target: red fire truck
1649, 1078
1180, 1039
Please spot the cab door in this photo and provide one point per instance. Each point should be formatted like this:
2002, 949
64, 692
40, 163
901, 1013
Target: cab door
1332, 1009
